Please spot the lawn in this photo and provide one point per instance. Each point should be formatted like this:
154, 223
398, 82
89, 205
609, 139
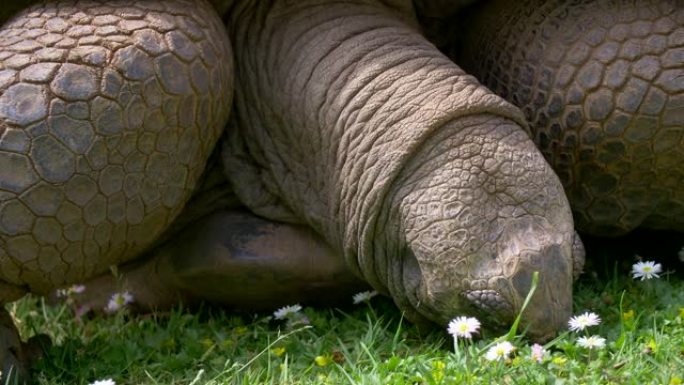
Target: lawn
369, 343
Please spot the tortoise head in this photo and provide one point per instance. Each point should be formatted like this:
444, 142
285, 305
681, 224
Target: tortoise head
478, 212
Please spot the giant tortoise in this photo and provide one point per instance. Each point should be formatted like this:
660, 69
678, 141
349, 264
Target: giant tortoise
351, 152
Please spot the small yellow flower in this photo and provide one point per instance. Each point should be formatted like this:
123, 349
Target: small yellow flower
675, 381
628, 315
322, 360
170, 343
560, 361
240, 330
438, 370
207, 343
278, 351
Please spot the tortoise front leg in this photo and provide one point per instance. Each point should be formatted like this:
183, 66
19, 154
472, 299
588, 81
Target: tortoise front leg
235, 259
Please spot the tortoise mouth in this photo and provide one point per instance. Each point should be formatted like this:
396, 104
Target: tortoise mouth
427, 299
492, 303
496, 305
497, 314
495, 297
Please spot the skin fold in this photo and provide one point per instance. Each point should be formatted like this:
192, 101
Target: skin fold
363, 154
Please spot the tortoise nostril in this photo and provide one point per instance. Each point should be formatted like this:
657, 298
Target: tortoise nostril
490, 302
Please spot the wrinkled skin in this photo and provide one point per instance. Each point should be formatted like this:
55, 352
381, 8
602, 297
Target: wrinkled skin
350, 132
324, 94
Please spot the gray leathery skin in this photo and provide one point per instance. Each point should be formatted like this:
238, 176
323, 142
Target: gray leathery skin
368, 93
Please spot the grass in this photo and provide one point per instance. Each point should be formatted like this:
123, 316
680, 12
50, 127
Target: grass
643, 323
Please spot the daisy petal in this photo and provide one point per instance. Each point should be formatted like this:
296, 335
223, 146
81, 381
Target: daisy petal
583, 321
364, 296
500, 351
118, 301
646, 270
591, 342
107, 381
463, 327
287, 311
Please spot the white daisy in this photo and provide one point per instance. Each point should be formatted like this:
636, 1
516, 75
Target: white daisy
118, 301
463, 327
108, 381
364, 296
538, 353
287, 311
591, 342
646, 270
583, 321
499, 351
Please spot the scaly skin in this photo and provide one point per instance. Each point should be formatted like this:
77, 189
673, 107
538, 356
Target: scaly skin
107, 116
602, 84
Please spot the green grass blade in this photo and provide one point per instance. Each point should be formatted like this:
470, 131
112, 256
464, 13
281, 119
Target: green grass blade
514, 328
